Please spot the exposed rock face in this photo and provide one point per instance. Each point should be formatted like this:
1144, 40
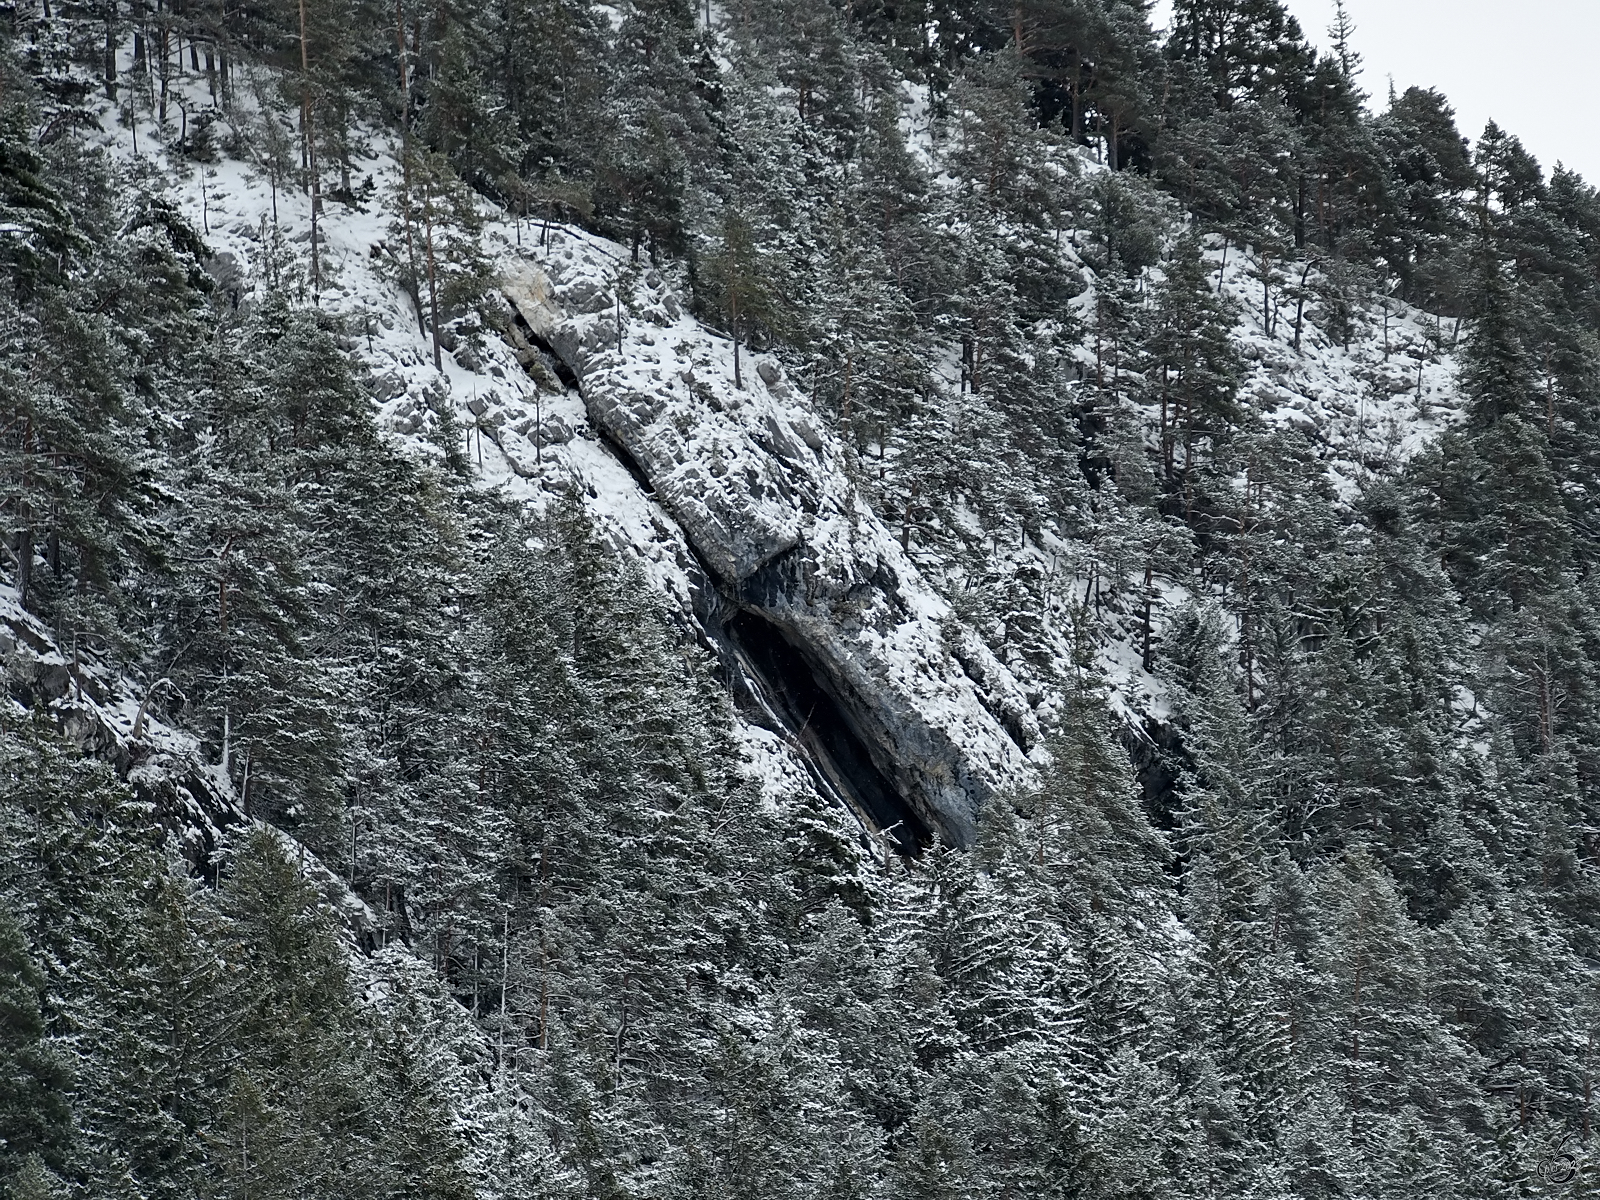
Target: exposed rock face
108, 718
96, 711
760, 491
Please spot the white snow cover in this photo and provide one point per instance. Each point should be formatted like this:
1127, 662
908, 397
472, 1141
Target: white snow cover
1373, 405
759, 488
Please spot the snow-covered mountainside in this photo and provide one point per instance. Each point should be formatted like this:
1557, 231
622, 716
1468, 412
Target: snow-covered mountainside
853, 672
786, 555
633, 601
734, 499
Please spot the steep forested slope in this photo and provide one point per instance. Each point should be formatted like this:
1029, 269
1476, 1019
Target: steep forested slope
788, 600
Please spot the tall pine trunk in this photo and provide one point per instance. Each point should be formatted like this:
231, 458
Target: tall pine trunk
433, 275
310, 148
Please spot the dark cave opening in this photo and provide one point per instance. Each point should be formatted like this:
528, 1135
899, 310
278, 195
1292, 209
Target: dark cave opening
816, 720
563, 370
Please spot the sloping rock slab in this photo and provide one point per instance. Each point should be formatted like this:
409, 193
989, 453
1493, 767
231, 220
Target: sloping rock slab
760, 490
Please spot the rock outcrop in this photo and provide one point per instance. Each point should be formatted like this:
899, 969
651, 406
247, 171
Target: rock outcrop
761, 493
98, 713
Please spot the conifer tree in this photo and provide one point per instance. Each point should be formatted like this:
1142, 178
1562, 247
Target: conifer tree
35, 1117
1192, 367
741, 272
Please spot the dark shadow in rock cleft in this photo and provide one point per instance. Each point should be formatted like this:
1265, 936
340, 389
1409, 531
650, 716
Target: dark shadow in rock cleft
816, 720
770, 676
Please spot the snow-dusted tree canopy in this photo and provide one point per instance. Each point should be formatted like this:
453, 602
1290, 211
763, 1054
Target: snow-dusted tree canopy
789, 601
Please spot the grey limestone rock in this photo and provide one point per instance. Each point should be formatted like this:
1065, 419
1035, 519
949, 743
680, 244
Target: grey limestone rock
762, 496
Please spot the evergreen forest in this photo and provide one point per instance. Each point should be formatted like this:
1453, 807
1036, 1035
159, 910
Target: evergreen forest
1149, 752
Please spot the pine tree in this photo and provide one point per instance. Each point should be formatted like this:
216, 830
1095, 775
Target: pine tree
438, 223
35, 1116
745, 281
291, 1114
656, 127
1192, 367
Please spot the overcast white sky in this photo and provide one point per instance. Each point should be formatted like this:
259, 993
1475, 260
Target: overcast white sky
1528, 64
